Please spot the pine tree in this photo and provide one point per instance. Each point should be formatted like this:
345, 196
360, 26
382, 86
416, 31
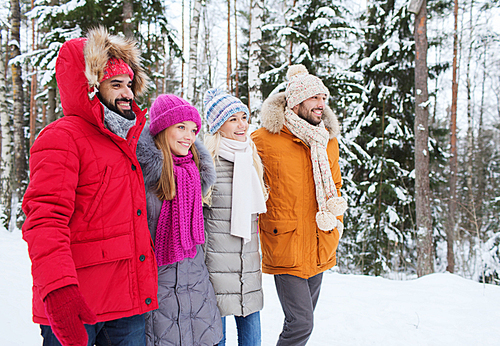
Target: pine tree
64, 20
379, 136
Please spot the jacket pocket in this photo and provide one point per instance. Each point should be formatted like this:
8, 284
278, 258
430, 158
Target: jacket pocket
327, 246
280, 243
105, 273
101, 251
99, 194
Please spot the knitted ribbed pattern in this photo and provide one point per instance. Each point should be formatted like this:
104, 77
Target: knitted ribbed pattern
116, 123
168, 110
302, 86
115, 67
219, 106
180, 224
316, 137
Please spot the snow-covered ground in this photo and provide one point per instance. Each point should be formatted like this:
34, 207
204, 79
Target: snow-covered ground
438, 309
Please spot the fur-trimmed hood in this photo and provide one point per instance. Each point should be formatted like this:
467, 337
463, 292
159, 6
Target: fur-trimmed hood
273, 115
151, 160
101, 46
75, 73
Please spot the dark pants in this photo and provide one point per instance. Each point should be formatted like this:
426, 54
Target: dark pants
298, 298
127, 331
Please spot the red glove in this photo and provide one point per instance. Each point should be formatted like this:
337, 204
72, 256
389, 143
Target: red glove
67, 311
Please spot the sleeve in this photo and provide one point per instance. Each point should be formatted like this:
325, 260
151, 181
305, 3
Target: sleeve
333, 156
49, 204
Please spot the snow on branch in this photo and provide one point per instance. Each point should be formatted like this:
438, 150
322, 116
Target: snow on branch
41, 12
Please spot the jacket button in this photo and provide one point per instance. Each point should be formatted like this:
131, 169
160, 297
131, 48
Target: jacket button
275, 231
148, 301
142, 258
139, 212
133, 167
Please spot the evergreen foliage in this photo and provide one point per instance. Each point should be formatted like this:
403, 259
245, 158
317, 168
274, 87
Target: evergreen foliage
71, 19
379, 136
365, 56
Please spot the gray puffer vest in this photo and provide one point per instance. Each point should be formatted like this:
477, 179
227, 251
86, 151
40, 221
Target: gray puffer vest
234, 267
187, 313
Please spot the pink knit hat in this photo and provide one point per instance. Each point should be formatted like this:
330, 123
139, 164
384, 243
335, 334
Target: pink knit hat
168, 110
116, 66
302, 85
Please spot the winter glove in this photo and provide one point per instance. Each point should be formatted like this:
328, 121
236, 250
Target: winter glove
67, 311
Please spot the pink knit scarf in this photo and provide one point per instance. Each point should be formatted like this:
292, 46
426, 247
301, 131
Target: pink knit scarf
180, 224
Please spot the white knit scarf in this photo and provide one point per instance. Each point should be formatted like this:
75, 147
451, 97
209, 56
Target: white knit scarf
329, 203
247, 197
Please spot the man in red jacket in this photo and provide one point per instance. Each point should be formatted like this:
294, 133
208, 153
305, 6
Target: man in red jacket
93, 266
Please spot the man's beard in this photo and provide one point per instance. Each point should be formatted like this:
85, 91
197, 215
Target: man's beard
127, 114
306, 114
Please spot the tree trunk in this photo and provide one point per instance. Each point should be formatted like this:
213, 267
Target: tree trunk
33, 109
425, 257
6, 162
128, 11
236, 75
19, 181
470, 203
229, 68
290, 48
481, 187
182, 48
193, 51
51, 105
206, 49
254, 82
450, 231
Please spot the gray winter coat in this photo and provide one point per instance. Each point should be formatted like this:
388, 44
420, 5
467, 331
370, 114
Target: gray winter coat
234, 267
187, 313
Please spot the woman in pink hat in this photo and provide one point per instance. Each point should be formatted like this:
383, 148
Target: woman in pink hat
175, 173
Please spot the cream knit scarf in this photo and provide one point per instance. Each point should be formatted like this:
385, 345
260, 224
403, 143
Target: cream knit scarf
329, 203
247, 195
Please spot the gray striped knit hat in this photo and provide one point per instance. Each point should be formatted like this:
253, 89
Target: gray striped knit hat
219, 106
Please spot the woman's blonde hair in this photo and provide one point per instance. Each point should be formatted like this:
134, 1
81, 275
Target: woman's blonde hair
212, 142
165, 188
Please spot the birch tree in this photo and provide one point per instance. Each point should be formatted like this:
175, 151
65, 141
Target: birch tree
229, 69
193, 51
254, 56
17, 92
6, 162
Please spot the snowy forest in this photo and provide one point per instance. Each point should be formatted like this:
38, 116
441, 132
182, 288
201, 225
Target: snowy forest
415, 84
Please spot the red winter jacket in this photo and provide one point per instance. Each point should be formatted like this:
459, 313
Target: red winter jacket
85, 205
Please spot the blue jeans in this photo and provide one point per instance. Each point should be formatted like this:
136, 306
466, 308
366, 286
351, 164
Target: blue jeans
248, 330
127, 331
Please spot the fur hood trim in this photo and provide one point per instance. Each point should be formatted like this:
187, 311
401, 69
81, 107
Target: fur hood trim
101, 46
273, 115
151, 160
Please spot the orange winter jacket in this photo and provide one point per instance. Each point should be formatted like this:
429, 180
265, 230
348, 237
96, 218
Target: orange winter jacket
290, 240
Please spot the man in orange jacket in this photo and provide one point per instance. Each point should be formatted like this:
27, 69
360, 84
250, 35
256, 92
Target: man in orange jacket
301, 229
